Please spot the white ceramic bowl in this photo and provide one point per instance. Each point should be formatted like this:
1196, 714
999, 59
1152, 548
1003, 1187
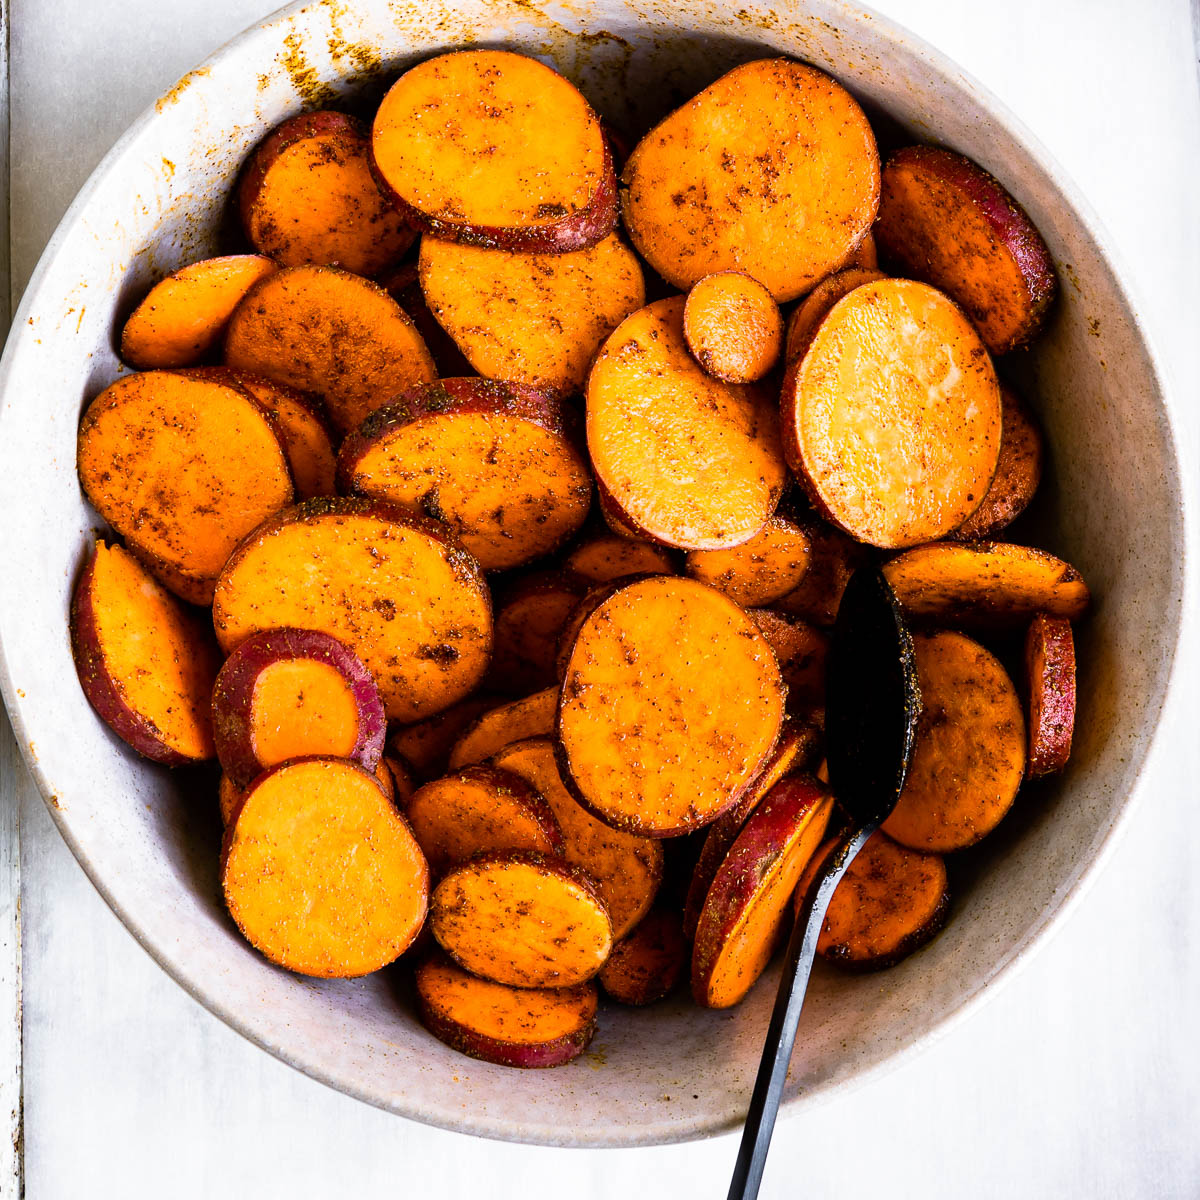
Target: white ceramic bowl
148, 838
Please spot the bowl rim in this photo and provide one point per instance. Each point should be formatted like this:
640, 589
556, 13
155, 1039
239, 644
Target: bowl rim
1038, 933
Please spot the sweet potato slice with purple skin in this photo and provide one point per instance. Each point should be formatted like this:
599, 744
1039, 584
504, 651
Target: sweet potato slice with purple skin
733, 327
890, 902
499, 463
811, 311
749, 902
397, 589
1050, 677
766, 568
404, 286
490, 732
985, 585
801, 649
325, 330
522, 919
969, 758
480, 809
307, 195
646, 742
685, 459
771, 170
646, 965
494, 149
321, 873
183, 317
288, 693
531, 615
534, 319
833, 558
944, 220
182, 468
627, 870
891, 420
512, 1027
1018, 473
798, 743
603, 557
426, 745
145, 663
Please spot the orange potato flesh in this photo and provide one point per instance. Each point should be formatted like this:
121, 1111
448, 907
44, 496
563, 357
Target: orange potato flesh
689, 460
733, 327
627, 870
400, 774
607, 557
426, 745
647, 964
320, 873
532, 716
833, 558
522, 920
801, 650
182, 467
892, 417
489, 138
771, 170
229, 797
969, 758
536, 319
866, 255
529, 624
649, 744
408, 602
766, 568
302, 706
183, 316
324, 330
811, 311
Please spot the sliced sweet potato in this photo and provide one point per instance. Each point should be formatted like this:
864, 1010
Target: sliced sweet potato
490, 732
811, 311
183, 317
321, 873
530, 617
182, 468
324, 330
945, 220
771, 170
833, 558
891, 420
890, 902
404, 286
604, 557
386, 781
733, 327
646, 965
766, 568
866, 255
646, 741
397, 589
145, 663
522, 919
801, 649
687, 460
748, 903
496, 462
970, 750
426, 745
404, 780
229, 798
492, 148
286, 693
307, 195
798, 742
514, 1027
534, 319
1018, 472
1050, 677
986, 584
626, 870
477, 810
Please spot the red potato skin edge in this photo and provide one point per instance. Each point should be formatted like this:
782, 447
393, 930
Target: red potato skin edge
1012, 226
234, 691
575, 232
789, 803
98, 686
1051, 695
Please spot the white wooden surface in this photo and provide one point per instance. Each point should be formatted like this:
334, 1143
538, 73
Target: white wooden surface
1081, 1079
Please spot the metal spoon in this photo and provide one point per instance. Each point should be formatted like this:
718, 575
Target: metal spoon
872, 702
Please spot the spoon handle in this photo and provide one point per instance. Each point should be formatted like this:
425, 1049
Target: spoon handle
785, 1017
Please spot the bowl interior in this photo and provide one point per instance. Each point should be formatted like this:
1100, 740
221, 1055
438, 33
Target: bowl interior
149, 838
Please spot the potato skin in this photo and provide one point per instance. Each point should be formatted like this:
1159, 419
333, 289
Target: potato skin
1050, 677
